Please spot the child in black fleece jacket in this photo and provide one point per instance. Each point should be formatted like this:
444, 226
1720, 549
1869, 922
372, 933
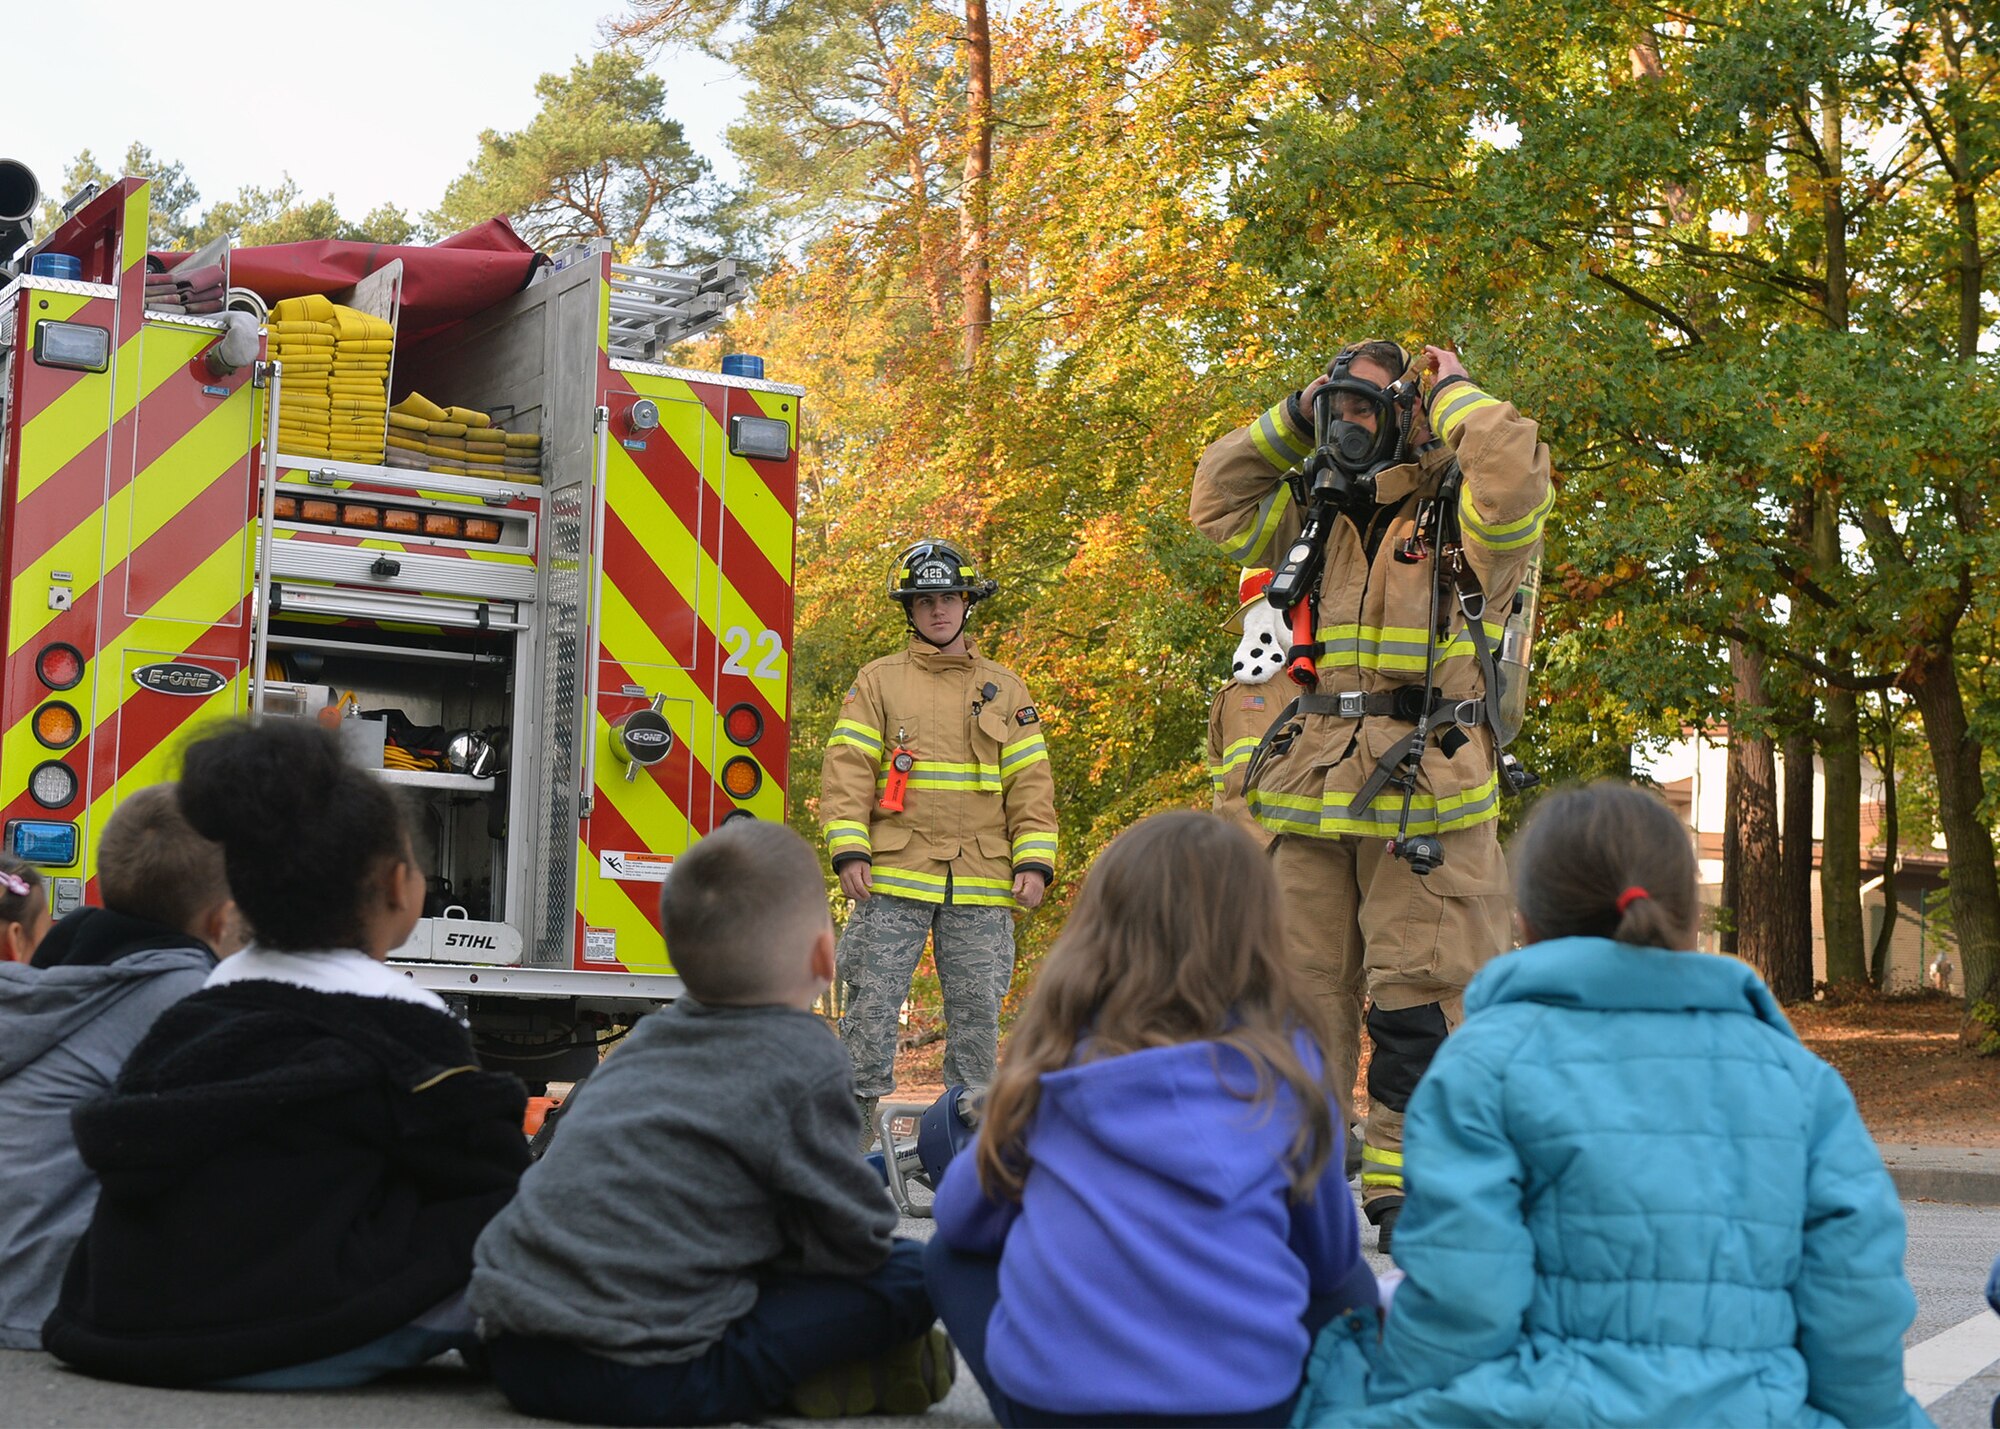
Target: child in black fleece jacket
701, 1243
296, 1160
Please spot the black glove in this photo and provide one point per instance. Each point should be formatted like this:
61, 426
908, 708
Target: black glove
1296, 416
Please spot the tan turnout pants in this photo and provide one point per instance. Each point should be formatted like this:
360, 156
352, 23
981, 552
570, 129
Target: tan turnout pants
1364, 927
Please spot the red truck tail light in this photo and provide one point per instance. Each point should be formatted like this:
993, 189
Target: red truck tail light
60, 666
744, 724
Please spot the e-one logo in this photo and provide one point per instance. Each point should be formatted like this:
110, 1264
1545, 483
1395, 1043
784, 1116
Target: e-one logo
643, 738
176, 678
468, 940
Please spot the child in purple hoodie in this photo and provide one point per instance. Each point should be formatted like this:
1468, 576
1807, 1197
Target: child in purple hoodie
1152, 1222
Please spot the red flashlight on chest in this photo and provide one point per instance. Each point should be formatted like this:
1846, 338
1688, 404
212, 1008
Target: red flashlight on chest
900, 764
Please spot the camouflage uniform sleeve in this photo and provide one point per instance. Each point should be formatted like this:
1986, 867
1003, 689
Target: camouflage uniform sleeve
1507, 492
1239, 500
1028, 790
847, 773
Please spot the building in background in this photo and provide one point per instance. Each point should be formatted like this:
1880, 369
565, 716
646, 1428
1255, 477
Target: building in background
1693, 775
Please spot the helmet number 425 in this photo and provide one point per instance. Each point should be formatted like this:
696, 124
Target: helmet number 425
767, 645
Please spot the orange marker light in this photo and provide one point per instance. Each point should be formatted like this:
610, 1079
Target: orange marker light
57, 725
481, 528
741, 777
437, 523
325, 512
400, 520
285, 508
369, 516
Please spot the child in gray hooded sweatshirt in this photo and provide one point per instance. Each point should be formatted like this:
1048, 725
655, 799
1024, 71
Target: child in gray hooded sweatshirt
70, 1018
701, 1243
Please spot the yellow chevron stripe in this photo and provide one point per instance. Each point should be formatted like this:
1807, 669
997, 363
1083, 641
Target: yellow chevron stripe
218, 578
163, 761
72, 421
212, 450
138, 213
644, 802
89, 549
742, 490
58, 307
78, 553
676, 552
609, 905
631, 641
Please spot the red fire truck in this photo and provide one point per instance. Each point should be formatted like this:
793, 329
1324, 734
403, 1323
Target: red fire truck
602, 647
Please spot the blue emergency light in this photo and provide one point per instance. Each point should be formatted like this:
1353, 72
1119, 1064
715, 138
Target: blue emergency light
42, 841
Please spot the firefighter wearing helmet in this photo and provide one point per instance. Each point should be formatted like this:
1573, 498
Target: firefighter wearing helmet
940, 818
1400, 519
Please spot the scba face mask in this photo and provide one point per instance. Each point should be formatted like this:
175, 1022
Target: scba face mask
1359, 454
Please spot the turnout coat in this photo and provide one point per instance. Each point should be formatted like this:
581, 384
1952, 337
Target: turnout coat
1374, 609
980, 805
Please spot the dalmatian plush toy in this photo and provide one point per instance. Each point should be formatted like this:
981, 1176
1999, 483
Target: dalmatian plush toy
1266, 636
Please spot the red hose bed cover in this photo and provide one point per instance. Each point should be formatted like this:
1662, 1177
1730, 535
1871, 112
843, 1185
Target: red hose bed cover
443, 283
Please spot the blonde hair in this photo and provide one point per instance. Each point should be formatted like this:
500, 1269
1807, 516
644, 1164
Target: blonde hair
152, 864
1176, 937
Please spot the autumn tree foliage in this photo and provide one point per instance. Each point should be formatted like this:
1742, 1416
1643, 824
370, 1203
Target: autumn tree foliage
1731, 258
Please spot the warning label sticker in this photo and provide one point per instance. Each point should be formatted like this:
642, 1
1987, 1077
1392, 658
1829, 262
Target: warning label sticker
600, 945
635, 867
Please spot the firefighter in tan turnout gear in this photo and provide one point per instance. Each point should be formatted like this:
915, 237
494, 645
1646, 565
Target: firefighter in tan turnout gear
940, 818
1407, 525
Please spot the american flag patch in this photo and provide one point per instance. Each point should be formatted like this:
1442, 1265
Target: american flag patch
1253, 702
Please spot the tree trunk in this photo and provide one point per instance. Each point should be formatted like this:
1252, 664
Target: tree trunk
1975, 891
1891, 838
1759, 874
1840, 742
1791, 972
1731, 894
974, 214
1840, 841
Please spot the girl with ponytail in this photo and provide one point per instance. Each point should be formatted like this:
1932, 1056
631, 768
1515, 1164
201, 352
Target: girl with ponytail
296, 1160
1643, 1202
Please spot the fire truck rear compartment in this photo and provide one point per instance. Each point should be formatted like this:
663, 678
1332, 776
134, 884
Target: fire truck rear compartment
454, 684
460, 626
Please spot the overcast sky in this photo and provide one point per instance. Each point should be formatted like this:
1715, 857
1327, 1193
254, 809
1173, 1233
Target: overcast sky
372, 101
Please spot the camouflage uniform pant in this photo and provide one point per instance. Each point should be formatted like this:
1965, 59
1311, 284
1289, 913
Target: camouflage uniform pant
879, 954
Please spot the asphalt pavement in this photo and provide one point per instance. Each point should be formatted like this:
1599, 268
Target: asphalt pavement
1952, 1361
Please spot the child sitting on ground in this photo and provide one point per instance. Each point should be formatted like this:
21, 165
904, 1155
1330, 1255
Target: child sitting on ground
296, 1160
24, 910
1642, 1202
1153, 1219
67, 1024
700, 1243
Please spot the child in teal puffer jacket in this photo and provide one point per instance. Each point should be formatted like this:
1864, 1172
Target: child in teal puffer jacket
1635, 1198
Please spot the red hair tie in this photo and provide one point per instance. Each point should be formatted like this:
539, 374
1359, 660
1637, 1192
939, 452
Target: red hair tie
1630, 896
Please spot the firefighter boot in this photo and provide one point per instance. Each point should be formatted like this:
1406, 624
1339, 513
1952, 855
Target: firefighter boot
866, 1106
1383, 1212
